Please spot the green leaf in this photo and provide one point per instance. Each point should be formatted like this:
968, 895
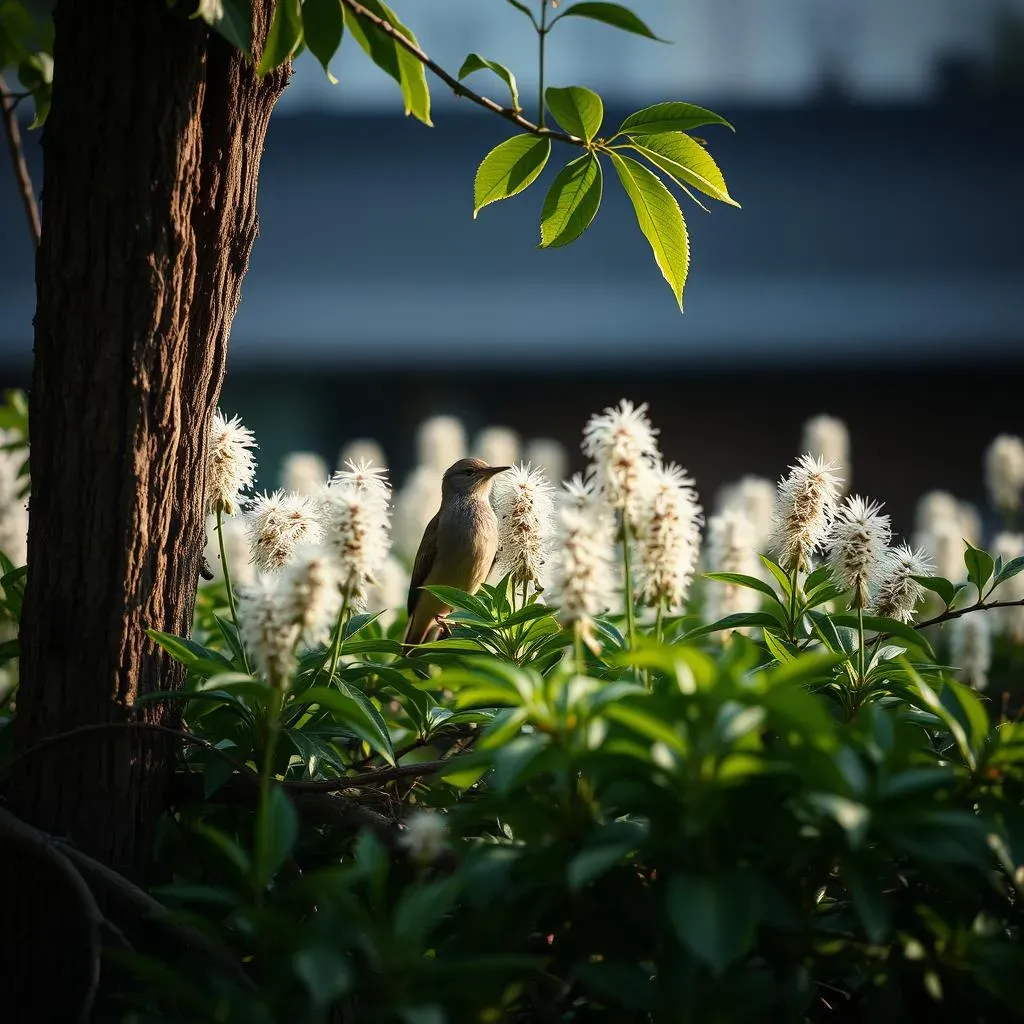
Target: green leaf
751, 582
714, 916
233, 20
660, 220
780, 574
868, 900
509, 169
1011, 569
323, 24
685, 161
734, 621
277, 828
35, 72
938, 585
525, 10
578, 110
323, 970
474, 62
364, 721
9, 650
284, 36
460, 599
192, 655
611, 14
393, 58
891, 627
572, 202
669, 117
17, 33
645, 724
979, 566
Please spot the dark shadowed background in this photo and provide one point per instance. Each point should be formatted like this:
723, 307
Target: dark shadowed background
875, 272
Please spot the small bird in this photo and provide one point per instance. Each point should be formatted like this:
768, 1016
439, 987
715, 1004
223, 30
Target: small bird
458, 546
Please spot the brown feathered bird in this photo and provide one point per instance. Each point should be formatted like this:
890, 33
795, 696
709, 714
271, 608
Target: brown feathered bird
458, 546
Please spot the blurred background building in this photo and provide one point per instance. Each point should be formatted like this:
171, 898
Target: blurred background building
875, 272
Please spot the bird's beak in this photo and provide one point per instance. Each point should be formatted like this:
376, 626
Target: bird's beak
494, 470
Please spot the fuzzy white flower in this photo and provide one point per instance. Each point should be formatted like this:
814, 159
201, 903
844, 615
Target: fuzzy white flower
362, 449
668, 538
970, 647
1009, 546
753, 497
624, 447
310, 594
828, 438
230, 465
356, 518
547, 455
425, 836
730, 549
440, 442
277, 523
267, 635
858, 539
944, 545
804, 506
934, 508
524, 505
497, 446
1004, 471
303, 472
236, 548
211, 11
582, 570
580, 493
898, 593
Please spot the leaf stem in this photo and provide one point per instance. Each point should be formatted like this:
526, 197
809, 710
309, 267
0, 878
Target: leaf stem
577, 641
542, 35
628, 584
228, 585
336, 646
793, 585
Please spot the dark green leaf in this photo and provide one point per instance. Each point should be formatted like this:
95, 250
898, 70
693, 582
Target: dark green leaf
324, 971
1010, 569
393, 58
9, 650
456, 598
323, 24
669, 117
751, 582
686, 162
578, 110
507, 170
979, 566
780, 574
715, 916
355, 715
868, 900
890, 627
940, 586
572, 202
192, 655
284, 36
474, 62
660, 220
277, 828
611, 14
233, 21
735, 621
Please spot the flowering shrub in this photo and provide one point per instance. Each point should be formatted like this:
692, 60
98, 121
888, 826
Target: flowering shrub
591, 800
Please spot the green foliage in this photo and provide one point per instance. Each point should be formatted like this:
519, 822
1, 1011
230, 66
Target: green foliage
28, 47
474, 62
609, 14
509, 168
572, 202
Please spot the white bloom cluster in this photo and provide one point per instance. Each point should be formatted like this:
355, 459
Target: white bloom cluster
425, 836
828, 439
310, 594
266, 634
303, 472
623, 446
1004, 472
277, 524
524, 505
970, 645
668, 537
356, 516
1009, 546
804, 507
858, 540
230, 465
730, 549
753, 497
898, 592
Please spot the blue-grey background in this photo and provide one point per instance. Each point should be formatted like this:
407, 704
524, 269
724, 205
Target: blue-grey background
876, 270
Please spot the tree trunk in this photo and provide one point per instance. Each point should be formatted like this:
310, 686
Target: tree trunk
152, 153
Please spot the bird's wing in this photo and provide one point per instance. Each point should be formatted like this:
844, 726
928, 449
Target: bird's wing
425, 557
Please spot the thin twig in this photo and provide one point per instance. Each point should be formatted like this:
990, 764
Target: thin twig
46, 849
981, 606
8, 102
367, 779
456, 86
84, 730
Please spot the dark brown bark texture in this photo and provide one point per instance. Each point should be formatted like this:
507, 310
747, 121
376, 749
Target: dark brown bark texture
152, 153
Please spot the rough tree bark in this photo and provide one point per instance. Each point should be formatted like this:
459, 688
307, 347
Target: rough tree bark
152, 153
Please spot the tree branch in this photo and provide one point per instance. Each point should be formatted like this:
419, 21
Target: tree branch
8, 103
981, 606
367, 779
456, 86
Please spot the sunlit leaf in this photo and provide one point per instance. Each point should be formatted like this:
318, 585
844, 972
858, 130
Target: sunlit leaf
283, 37
611, 14
578, 110
572, 202
686, 162
509, 169
669, 117
474, 62
323, 24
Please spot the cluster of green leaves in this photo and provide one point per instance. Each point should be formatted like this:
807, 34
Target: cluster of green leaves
658, 135
26, 44
768, 829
